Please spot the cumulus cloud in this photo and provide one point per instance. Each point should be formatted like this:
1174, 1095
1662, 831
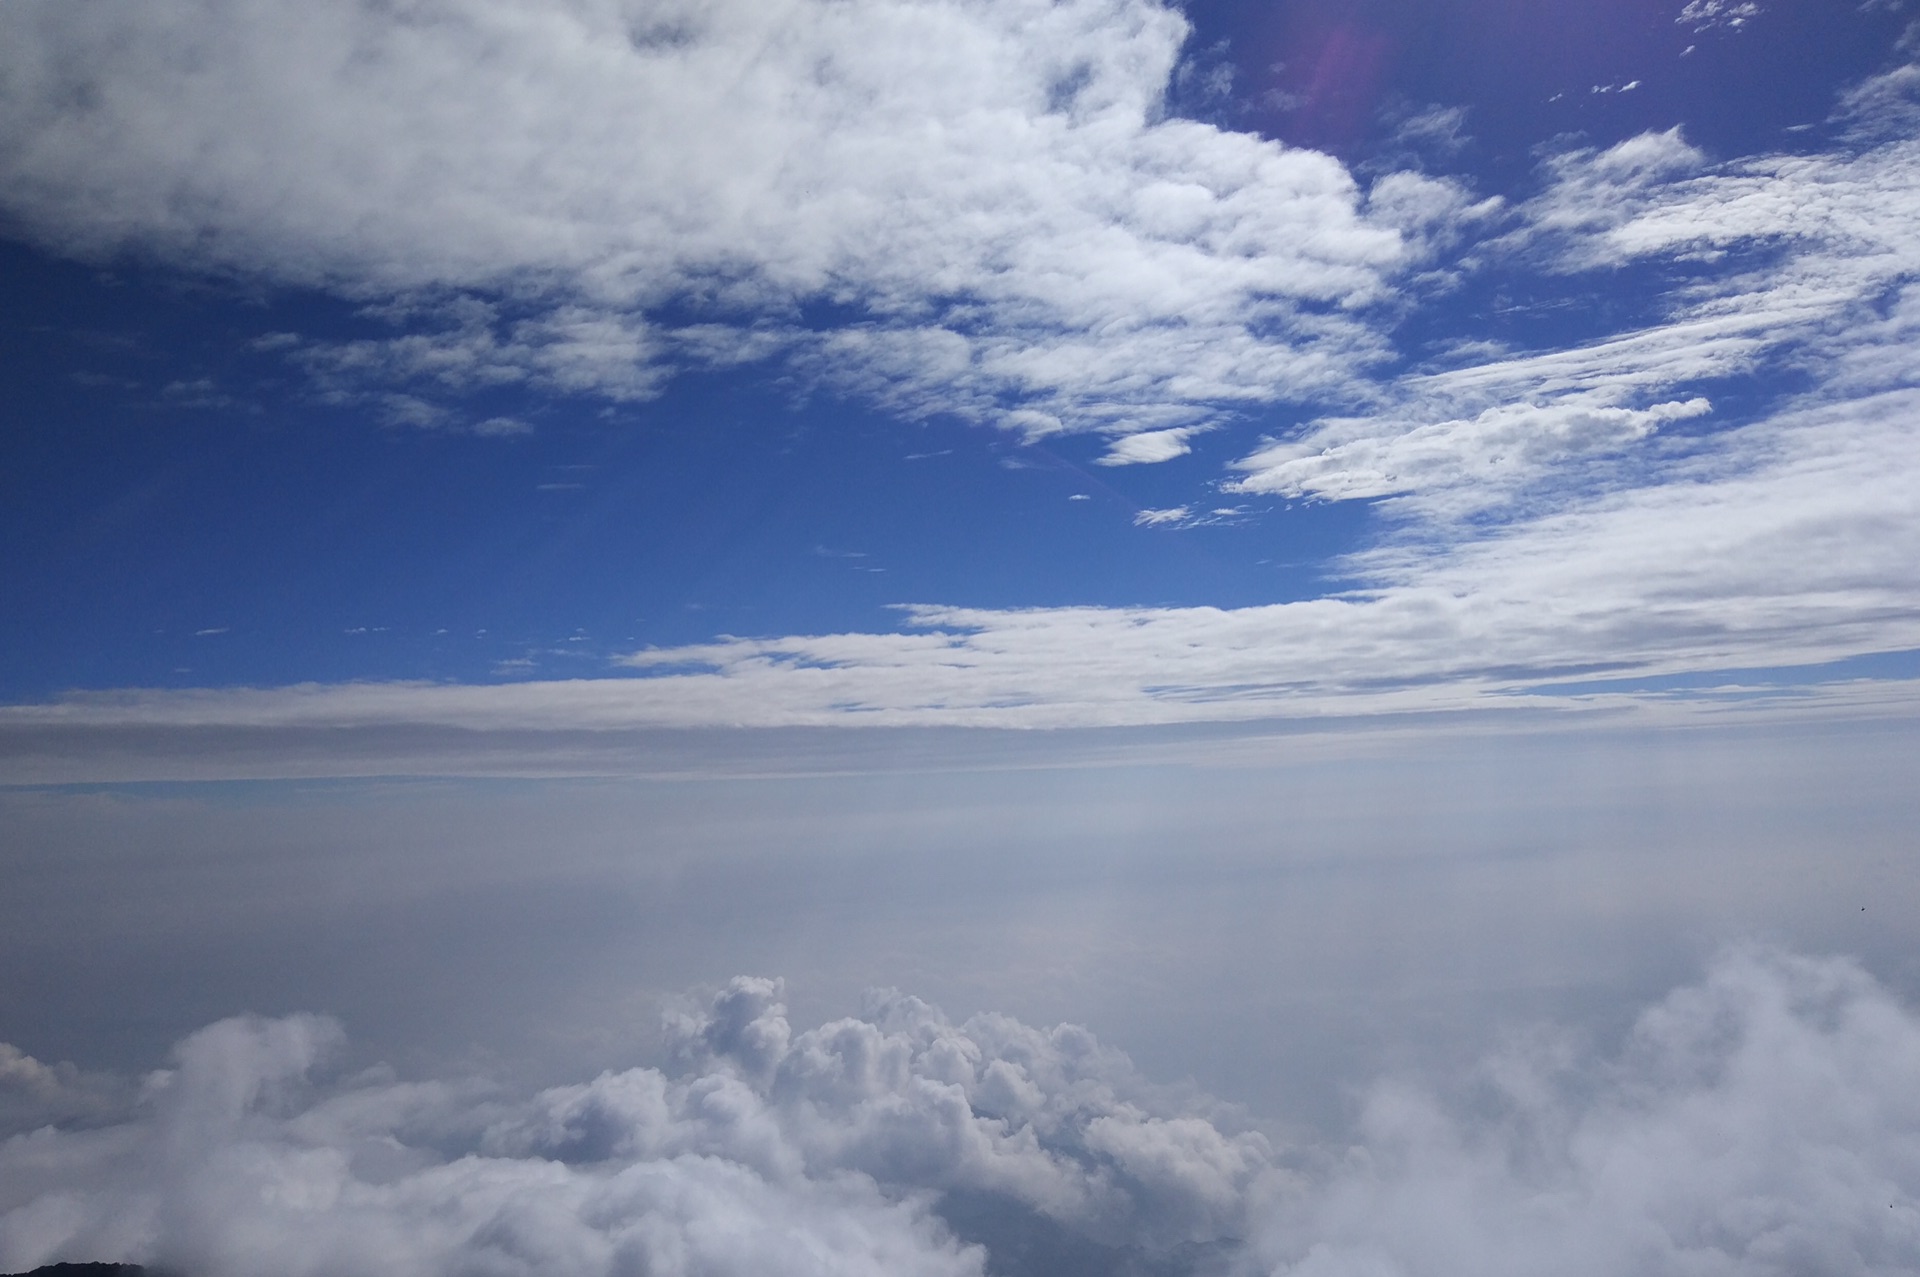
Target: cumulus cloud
761, 1151
1763, 1121
35, 1094
585, 196
1147, 447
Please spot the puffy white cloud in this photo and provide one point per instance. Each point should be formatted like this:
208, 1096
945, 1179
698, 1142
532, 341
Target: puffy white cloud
988, 195
1148, 447
1766, 1120
765, 1151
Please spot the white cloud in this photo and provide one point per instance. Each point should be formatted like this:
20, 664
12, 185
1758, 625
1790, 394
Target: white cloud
1147, 447
1791, 541
1703, 15
1783, 258
1550, 519
1831, 224
1432, 213
1764, 1121
988, 192
1476, 462
765, 1151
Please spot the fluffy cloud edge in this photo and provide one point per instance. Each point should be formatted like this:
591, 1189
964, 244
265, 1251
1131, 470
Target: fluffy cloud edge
990, 195
1759, 1121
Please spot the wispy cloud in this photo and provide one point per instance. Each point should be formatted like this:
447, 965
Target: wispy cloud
1799, 259
1704, 15
1476, 462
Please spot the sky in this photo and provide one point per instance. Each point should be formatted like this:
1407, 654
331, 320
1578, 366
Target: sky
962, 636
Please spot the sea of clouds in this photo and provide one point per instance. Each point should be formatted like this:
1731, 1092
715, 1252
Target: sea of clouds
1765, 1120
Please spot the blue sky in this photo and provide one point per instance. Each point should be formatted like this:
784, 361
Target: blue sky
969, 637
278, 423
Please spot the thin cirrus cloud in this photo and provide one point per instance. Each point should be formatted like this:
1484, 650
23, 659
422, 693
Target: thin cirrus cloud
1762, 1120
1795, 260
1791, 541
987, 195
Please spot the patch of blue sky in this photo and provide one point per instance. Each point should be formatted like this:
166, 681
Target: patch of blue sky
1528, 72
271, 536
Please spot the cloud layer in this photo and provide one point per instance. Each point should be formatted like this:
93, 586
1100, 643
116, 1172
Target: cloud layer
1793, 541
1762, 1122
976, 208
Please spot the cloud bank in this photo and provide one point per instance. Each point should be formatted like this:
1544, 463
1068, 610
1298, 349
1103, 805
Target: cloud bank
1764, 1121
971, 208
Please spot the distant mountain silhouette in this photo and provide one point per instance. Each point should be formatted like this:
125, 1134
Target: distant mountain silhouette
87, 1270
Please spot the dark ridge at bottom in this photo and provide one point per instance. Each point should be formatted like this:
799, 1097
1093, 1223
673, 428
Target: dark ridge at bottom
87, 1270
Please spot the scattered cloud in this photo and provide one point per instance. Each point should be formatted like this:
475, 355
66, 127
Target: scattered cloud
1704, 15
1147, 448
198, 392
1439, 132
1188, 517
469, 346
501, 427
1763, 1120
